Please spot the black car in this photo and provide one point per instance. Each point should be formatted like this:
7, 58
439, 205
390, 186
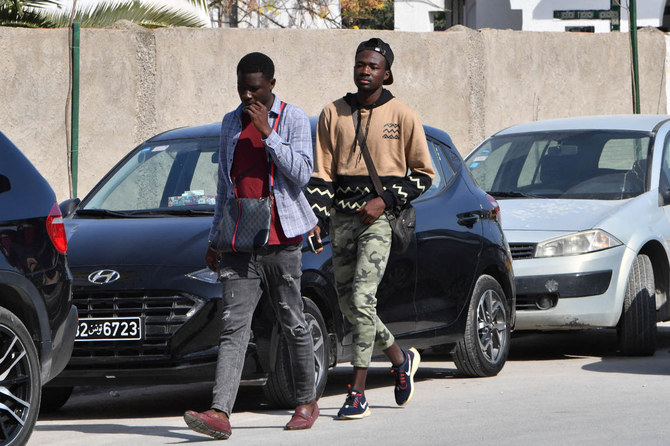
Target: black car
37, 319
149, 307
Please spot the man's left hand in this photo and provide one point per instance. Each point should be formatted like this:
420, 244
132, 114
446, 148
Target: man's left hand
369, 213
259, 117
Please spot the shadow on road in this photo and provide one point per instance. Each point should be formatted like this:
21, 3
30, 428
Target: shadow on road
172, 400
537, 346
527, 346
550, 346
90, 403
181, 434
632, 365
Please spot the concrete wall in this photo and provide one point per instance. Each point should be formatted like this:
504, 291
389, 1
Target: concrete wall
135, 83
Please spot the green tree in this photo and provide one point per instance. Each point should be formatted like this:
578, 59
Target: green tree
27, 14
33, 14
367, 14
279, 13
364, 14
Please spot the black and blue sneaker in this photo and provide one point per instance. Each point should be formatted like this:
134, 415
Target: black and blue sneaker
355, 406
404, 376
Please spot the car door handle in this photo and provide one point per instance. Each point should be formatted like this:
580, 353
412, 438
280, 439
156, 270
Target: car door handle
468, 220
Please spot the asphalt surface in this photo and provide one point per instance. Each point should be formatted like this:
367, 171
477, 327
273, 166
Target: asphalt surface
556, 389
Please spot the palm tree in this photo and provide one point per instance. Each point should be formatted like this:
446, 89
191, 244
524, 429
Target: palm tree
101, 15
33, 13
25, 14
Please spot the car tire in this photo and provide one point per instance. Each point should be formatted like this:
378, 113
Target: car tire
53, 398
483, 349
279, 388
21, 381
636, 330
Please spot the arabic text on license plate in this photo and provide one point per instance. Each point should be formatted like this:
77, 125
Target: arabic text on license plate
109, 329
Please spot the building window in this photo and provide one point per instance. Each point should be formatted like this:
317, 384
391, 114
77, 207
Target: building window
439, 21
580, 29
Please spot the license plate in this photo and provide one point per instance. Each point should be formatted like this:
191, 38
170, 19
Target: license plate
109, 329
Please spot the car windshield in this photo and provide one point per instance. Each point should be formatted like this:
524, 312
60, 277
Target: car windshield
171, 177
591, 164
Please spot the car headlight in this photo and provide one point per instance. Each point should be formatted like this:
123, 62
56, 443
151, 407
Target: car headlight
204, 275
577, 243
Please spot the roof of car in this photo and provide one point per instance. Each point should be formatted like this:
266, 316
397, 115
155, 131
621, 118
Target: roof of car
213, 129
605, 122
196, 131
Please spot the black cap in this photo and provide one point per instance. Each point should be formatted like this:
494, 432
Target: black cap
382, 48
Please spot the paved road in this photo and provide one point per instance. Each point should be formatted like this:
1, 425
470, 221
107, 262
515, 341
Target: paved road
556, 389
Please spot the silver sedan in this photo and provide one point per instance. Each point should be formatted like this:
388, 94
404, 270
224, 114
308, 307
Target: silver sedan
585, 208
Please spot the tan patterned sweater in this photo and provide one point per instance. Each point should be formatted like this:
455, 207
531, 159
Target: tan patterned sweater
397, 145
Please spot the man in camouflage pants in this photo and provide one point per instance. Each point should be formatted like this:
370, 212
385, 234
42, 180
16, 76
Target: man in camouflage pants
341, 192
360, 254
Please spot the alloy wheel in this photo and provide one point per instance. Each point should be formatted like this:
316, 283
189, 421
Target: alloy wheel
319, 346
15, 385
491, 325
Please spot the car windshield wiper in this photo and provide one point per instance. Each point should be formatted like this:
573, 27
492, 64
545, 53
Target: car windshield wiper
144, 212
103, 213
513, 194
179, 211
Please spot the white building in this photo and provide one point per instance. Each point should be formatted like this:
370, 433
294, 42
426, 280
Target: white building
526, 15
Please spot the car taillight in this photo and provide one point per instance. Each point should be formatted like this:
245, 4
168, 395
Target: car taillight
56, 229
496, 208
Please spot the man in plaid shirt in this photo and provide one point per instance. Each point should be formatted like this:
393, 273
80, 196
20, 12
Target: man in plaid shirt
253, 149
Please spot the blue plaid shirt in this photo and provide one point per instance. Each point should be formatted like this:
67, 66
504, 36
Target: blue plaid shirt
290, 148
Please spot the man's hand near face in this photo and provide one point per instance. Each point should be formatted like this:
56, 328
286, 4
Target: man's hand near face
259, 117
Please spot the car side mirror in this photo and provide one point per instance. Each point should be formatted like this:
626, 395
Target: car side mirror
4, 184
663, 190
663, 196
67, 207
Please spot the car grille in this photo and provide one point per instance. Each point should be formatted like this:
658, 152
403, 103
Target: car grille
522, 250
163, 314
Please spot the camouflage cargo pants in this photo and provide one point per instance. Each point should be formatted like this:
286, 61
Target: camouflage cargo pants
360, 254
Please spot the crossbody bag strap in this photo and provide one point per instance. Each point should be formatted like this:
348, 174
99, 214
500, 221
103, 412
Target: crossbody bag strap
372, 170
272, 165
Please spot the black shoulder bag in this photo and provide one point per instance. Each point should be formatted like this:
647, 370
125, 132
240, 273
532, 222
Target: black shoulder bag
402, 223
245, 222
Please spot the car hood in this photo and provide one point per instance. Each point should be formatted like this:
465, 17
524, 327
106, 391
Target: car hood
555, 215
171, 241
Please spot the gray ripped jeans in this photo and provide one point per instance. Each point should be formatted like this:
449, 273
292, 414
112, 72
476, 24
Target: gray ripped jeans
276, 270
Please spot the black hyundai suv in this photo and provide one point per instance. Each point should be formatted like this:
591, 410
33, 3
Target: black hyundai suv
150, 308
38, 322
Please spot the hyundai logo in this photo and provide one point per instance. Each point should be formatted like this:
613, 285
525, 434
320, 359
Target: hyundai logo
104, 276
